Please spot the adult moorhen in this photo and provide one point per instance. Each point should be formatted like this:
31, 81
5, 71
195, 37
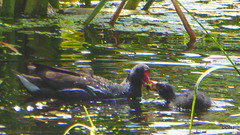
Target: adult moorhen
184, 101
58, 83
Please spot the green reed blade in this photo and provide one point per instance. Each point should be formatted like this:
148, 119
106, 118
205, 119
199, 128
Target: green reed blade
94, 12
197, 86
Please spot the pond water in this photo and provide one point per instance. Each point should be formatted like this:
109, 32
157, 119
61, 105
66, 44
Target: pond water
157, 39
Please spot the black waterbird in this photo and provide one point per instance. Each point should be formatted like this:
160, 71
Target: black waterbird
59, 83
184, 101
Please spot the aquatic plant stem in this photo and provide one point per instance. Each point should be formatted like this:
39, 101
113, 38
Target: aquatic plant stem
218, 45
117, 13
94, 12
132, 4
190, 44
90, 120
76, 125
92, 128
197, 86
148, 5
8, 7
10, 47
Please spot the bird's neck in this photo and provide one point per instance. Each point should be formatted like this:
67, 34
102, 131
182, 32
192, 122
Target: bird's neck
135, 90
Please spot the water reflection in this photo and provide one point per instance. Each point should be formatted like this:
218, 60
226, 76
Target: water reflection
49, 112
117, 112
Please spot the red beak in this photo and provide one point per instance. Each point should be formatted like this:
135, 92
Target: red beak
146, 76
147, 79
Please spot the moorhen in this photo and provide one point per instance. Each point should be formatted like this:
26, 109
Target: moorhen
59, 83
184, 101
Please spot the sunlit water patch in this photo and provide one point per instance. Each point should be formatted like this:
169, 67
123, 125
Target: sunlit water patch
199, 131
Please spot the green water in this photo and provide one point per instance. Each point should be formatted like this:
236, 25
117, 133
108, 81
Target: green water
157, 40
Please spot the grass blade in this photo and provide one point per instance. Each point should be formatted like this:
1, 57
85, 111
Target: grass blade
94, 12
76, 125
197, 86
90, 120
92, 128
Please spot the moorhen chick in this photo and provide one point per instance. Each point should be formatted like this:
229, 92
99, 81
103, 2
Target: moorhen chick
184, 101
59, 83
